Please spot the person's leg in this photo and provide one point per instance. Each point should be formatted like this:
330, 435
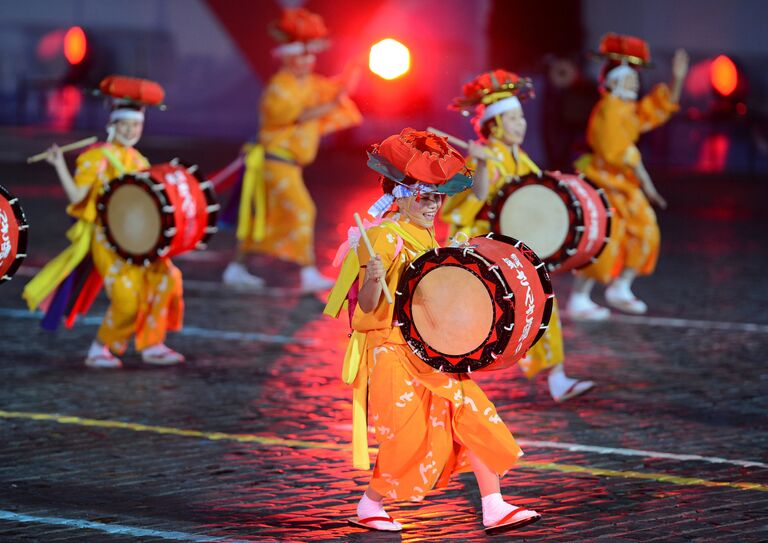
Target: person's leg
580, 305
236, 273
371, 507
619, 293
495, 510
562, 387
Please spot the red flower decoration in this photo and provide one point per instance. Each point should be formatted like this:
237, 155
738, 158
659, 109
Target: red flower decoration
142, 91
492, 82
300, 25
422, 155
625, 48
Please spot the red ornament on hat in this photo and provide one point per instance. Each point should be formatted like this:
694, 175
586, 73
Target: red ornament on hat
299, 25
422, 155
140, 91
624, 48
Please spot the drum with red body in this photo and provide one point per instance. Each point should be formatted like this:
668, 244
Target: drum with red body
479, 307
564, 218
160, 212
13, 235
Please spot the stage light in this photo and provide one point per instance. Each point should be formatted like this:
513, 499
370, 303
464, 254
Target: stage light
724, 76
389, 59
75, 45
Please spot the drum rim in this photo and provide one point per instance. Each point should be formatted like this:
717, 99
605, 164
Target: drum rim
546, 281
608, 218
464, 364
21, 236
167, 220
143, 180
493, 212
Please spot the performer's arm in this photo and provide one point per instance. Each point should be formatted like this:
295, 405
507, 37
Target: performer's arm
316, 112
370, 293
481, 177
75, 193
679, 71
648, 187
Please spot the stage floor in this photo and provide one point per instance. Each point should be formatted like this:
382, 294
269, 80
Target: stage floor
249, 440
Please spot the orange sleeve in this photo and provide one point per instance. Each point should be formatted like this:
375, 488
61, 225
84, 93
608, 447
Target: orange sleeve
280, 103
344, 115
655, 108
610, 137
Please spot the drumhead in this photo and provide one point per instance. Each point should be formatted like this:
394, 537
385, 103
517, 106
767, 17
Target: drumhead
538, 217
133, 218
452, 310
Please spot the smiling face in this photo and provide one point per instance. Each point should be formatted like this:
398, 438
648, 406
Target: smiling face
128, 131
300, 65
421, 211
513, 124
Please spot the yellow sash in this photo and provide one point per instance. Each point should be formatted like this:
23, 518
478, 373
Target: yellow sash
354, 370
252, 214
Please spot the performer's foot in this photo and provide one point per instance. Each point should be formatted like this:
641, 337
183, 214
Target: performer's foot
582, 308
161, 355
237, 276
100, 357
313, 281
371, 515
499, 515
619, 296
562, 387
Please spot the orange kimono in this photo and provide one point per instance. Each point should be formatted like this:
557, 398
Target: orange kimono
461, 210
145, 301
424, 420
277, 214
614, 128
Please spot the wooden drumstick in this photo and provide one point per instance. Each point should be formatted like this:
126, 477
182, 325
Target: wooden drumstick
64, 148
364, 236
451, 139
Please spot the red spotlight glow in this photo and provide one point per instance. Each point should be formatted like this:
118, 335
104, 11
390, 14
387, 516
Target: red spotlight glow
389, 59
723, 75
75, 45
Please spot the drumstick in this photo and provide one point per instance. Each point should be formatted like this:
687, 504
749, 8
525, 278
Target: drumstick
368, 246
64, 148
452, 139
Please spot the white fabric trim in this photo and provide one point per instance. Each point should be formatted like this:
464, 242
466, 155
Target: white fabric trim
292, 48
499, 107
400, 191
126, 114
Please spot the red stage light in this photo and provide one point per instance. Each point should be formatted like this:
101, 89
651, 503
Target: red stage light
75, 45
723, 75
389, 59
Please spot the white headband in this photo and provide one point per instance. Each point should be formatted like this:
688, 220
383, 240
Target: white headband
499, 107
400, 191
300, 47
126, 115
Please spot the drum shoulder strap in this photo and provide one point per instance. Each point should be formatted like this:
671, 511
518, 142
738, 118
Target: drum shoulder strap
112, 158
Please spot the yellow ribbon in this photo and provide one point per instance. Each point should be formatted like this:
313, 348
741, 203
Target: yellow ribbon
253, 193
354, 370
51, 276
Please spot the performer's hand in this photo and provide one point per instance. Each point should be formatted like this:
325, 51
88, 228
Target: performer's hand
680, 64
657, 199
479, 151
375, 269
55, 156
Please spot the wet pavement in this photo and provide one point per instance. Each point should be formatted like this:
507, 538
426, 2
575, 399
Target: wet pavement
249, 440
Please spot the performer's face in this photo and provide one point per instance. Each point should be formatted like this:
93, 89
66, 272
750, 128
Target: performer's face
300, 65
629, 84
128, 131
514, 125
421, 211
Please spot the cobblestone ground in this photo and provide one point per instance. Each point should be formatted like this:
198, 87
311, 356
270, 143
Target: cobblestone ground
248, 441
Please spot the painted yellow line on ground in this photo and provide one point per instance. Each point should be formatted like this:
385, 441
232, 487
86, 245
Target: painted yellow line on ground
278, 441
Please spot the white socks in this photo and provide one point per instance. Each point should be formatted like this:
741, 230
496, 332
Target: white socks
368, 508
494, 509
96, 349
